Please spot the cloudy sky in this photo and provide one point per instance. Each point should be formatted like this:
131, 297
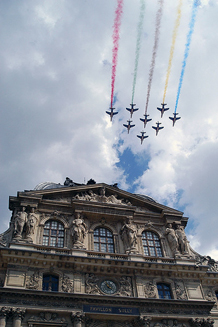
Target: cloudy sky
55, 86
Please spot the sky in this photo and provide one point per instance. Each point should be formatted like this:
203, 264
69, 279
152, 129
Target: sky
55, 86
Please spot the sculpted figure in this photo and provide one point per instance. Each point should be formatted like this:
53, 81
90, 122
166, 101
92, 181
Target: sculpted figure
172, 239
30, 224
19, 221
182, 240
129, 235
78, 231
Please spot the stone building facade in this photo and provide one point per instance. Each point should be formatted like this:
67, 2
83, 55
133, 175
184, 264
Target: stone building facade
97, 256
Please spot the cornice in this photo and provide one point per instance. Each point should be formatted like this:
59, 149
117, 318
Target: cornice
31, 299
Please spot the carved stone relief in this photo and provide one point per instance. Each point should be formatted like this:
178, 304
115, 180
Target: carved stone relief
196, 322
67, 284
33, 282
91, 284
180, 290
210, 294
47, 317
124, 285
91, 196
150, 290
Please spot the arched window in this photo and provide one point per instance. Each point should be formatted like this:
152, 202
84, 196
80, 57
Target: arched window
53, 234
50, 283
164, 291
151, 244
103, 240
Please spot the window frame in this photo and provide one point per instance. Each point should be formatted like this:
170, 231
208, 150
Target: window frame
57, 234
51, 283
107, 244
147, 247
166, 289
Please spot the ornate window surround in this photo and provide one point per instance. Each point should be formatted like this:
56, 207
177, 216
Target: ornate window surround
110, 228
166, 281
60, 219
159, 239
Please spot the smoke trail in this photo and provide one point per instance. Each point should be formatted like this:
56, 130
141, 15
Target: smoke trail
187, 47
138, 45
154, 52
175, 30
117, 22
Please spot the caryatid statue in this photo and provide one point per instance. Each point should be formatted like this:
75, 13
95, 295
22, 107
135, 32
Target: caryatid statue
79, 230
20, 220
172, 239
182, 240
129, 235
30, 225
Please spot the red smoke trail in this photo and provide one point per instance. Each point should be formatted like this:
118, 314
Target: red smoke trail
117, 23
154, 52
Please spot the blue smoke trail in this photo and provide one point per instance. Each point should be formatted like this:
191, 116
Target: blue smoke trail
187, 47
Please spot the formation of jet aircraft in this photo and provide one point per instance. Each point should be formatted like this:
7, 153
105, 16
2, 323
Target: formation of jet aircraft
162, 109
174, 118
111, 112
158, 127
143, 136
132, 109
128, 126
145, 120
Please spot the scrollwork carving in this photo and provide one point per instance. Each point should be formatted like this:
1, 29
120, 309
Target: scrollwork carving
150, 290
180, 291
125, 286
33, 282
67, 284
92, 284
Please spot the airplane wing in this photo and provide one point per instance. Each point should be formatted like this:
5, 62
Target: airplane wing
171, 118
139, 136
128, 109
132, 126
125, 125
159, 109
135, 109
161, 127
154, 127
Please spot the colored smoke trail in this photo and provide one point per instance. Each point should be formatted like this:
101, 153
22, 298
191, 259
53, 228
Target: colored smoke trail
187, 47
175, 30
138, 45
154, 52
117, 23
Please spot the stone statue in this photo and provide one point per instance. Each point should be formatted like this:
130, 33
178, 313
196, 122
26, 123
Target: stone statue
79, 230
182, 240
150, 290
129, 236
30, 225
20, 220
172, 239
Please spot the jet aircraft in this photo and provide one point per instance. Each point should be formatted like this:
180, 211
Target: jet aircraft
174, 118
129, 125
145, 120
132, 109
142, 137
163, 109
111, 112
157, 128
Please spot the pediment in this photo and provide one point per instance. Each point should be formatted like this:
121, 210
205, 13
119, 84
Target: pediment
97, 194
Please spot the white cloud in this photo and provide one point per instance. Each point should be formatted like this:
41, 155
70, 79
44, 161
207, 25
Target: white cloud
55, 88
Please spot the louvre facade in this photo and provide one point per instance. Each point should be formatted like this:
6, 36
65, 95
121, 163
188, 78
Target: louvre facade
97, 256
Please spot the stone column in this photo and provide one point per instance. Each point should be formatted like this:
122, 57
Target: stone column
3, 315
18, 315
77, 318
